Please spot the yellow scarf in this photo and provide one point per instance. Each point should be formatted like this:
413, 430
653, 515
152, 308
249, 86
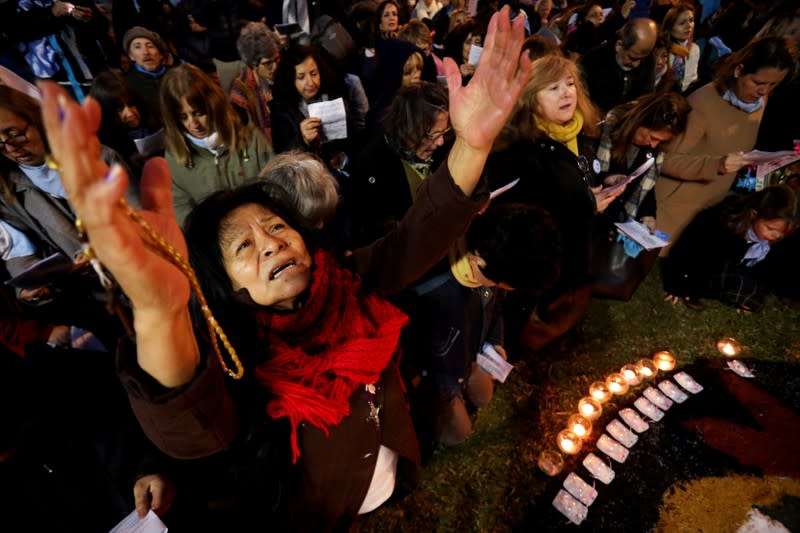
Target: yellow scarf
566, 134
459, 258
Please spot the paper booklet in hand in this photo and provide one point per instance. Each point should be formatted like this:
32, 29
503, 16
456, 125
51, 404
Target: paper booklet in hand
51, 269
641, 234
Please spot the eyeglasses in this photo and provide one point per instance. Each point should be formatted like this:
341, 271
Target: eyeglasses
435, 135
268, 62
14, 137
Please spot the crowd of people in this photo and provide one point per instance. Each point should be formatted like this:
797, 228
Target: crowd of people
263, 257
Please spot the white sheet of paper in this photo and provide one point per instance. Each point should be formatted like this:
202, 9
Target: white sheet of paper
152, 143
493, 363
641, 234
500, 190
474, 54
472, 7
333, 117
757, 157
151, 523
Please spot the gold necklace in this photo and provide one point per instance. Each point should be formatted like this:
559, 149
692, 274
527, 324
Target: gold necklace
171, 254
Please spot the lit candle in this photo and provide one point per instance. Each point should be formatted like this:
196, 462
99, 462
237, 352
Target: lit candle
728, 347
599, 391
616, 383
580, 425
664, 361
551, 463
631, 374
647, 368
590, 408
568, 442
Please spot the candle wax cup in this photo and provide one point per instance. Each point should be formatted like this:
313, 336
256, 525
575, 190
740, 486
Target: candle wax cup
551, 463
728, 347
631, 375
647, 368
580, 425
616, 383
599, 391
590, 408
568, 442
664, 361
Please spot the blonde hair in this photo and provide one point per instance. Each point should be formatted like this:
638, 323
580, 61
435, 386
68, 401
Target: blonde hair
202, 94
545, 71
414, 62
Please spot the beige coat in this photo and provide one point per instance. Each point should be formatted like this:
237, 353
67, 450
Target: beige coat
689, 181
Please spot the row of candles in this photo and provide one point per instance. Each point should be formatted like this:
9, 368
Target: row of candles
579, 426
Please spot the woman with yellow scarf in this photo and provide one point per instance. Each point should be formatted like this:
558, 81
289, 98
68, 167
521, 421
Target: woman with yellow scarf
548, 145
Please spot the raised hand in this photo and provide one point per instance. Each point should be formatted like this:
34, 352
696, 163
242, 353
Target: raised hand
158, 291
479, 110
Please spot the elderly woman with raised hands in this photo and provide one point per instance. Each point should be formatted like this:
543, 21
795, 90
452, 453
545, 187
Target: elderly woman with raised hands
320, 337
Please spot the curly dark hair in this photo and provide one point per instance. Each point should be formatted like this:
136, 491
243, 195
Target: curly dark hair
520, 244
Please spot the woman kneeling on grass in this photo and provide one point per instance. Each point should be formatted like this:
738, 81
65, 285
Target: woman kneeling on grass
317, 339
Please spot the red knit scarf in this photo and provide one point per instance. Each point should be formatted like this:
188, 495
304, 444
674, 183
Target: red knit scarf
339, 340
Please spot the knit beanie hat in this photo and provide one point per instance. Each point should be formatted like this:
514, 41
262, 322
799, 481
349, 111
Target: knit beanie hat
139, 31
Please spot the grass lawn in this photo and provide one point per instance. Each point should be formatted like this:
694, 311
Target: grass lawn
489, 482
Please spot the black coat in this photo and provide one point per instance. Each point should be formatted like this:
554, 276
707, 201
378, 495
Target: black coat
609, 85
703, 250
550, 177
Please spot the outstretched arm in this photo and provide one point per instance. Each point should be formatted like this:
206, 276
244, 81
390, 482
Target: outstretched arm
479, 110
158, 291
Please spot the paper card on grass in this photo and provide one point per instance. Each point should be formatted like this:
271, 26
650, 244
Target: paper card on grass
620, 431
151, 523
612, 448
646, 407
598, 468
493, 363
658, 399
632, 418
570, 507
581, 490
474, 54
672, 391
641, 234
333, 117
688, 382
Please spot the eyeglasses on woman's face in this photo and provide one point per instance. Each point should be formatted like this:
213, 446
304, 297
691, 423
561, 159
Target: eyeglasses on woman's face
14, 137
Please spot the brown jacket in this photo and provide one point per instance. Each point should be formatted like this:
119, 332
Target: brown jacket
333, 473
689, 181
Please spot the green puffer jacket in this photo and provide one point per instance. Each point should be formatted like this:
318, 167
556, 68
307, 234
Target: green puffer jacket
206, 173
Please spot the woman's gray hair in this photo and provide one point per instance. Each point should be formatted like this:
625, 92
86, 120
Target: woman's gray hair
308, 184
255, 42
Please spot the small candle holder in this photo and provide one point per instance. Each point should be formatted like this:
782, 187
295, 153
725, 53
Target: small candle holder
647, 369
551, 463
580, 425
729, 348
590, 408
616, 384
568, 442
631, 375
599, 391
664, 361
